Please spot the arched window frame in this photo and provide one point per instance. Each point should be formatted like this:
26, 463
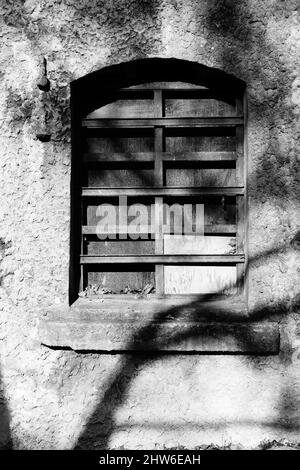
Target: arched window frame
100, 88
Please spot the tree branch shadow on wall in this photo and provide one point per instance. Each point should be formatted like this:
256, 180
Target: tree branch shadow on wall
101, 425
224, 18
221, 20
5, 436
119, 383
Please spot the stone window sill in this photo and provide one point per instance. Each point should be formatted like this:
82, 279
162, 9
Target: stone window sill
183, 324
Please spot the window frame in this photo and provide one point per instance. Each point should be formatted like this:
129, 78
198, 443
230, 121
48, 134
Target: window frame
159, 123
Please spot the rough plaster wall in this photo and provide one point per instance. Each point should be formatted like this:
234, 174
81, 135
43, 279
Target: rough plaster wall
48, 396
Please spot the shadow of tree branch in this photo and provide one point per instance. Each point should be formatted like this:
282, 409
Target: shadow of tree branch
117, 386
5, 436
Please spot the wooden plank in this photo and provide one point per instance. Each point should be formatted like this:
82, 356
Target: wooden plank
167, 122
117, 247
119, 157
165, 156
159, 245
199, 156
118, 278
117, 230
159, 179
121, 108
130, 176
198, 245
241, 204
200, 279
198, 177
200, 140
161, 191
192, 105
219, 229
240, 239
158, 104
83, 246
240, 155
91, 230
161, 259
158, 166
177, 86
241, 215
131, 140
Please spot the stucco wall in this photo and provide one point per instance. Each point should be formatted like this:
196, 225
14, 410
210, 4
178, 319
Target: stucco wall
49, 396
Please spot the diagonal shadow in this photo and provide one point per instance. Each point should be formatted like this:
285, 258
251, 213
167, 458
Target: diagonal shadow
119, 382
265, 180
5, 435
101, 424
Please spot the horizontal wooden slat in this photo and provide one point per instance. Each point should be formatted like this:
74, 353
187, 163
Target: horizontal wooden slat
165, 156
176, 86
161, 259
219, 228
167, 122
119, 157
161, 191
199, 156
91, 230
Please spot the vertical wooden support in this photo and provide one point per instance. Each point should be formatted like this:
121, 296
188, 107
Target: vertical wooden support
245, 112
158, 104
82, 283
240, 177
159, 181
240, 200
240, 236
81, 287
158, 164
159, 245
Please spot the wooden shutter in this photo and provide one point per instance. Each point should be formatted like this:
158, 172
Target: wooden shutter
166, 143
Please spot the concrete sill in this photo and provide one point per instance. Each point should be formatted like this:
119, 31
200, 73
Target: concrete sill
179, 324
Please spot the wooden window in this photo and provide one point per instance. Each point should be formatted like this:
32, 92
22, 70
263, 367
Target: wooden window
166, 143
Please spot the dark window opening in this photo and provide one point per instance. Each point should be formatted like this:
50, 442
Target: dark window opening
162, 143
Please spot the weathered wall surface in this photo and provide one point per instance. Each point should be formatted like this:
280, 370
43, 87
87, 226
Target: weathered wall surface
47, 397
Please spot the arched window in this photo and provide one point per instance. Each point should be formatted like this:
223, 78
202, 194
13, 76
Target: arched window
158, 179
